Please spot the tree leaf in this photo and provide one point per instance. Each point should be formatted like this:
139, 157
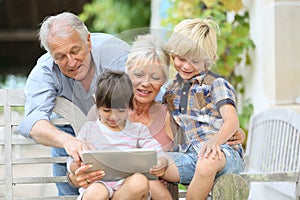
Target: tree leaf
232, 5
209, 3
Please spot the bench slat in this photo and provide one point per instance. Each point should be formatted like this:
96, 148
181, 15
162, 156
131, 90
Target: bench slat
36, 180
271, 177
45, 198
39, 160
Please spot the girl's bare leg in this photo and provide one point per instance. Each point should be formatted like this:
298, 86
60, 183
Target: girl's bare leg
159, 190
96, 191
135, 187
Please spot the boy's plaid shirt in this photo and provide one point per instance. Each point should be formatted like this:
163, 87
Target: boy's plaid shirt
194, 105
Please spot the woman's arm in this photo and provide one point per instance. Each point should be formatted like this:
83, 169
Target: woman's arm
238, 138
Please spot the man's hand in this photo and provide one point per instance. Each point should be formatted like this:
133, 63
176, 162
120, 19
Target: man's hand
74, 148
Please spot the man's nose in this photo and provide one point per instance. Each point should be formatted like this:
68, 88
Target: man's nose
71, 60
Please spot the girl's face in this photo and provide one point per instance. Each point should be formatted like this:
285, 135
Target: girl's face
147, 80
114, 119
188, 67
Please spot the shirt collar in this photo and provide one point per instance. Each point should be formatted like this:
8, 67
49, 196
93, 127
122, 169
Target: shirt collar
195, 79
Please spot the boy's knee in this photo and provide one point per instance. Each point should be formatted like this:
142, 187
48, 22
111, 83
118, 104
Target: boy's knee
209, 166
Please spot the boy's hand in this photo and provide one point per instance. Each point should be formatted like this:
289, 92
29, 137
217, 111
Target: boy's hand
210, 147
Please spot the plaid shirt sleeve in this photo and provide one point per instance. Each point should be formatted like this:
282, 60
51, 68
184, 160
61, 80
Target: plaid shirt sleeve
222, 92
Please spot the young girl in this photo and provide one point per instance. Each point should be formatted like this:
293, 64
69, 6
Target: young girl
203, 104
113, 131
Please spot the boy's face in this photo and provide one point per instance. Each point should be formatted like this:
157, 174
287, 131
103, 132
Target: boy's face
115, 119
187, 67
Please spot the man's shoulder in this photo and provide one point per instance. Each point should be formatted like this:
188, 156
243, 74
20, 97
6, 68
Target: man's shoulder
104, 38
43, 65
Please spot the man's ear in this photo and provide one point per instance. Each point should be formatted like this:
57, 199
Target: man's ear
89, 43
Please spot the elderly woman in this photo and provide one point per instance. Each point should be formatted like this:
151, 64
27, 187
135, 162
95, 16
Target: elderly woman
147, 66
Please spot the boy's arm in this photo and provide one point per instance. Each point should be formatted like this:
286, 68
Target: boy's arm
229, 127
231, 123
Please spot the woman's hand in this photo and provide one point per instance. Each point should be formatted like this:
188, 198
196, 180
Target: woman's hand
238, 138
84, 178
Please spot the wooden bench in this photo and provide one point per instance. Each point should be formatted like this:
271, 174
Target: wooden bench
19, 154
25, 165
272, 155
273, 148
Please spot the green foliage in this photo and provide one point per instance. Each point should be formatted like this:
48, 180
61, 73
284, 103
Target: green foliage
245, 115
234, 42
115, 16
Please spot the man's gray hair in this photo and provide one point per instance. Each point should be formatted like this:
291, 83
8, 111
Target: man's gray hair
61, 25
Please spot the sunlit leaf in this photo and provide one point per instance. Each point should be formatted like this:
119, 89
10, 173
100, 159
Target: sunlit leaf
209, 3
232, 5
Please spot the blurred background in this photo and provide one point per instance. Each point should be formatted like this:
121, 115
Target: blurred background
259, 44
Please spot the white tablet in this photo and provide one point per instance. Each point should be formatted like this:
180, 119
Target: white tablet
120, 164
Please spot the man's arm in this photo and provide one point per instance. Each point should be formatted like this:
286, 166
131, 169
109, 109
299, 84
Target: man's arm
47, 134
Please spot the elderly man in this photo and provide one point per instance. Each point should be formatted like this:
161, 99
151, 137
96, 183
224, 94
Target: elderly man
70, 68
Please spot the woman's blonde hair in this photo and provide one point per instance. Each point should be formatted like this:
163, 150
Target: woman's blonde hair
195, 38
148, 49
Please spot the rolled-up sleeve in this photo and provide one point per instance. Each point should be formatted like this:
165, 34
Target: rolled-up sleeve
40, 92
222, 92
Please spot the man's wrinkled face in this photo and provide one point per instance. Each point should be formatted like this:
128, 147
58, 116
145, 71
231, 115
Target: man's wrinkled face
72, 55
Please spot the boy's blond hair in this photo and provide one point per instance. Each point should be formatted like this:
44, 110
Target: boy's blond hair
195, 38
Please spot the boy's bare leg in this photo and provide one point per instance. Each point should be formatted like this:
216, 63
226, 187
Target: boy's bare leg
203, 180
135, 187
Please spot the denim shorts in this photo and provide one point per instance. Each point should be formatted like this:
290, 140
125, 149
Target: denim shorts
186, 163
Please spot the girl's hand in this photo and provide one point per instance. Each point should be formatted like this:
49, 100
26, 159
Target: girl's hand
159, 169
84, 178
